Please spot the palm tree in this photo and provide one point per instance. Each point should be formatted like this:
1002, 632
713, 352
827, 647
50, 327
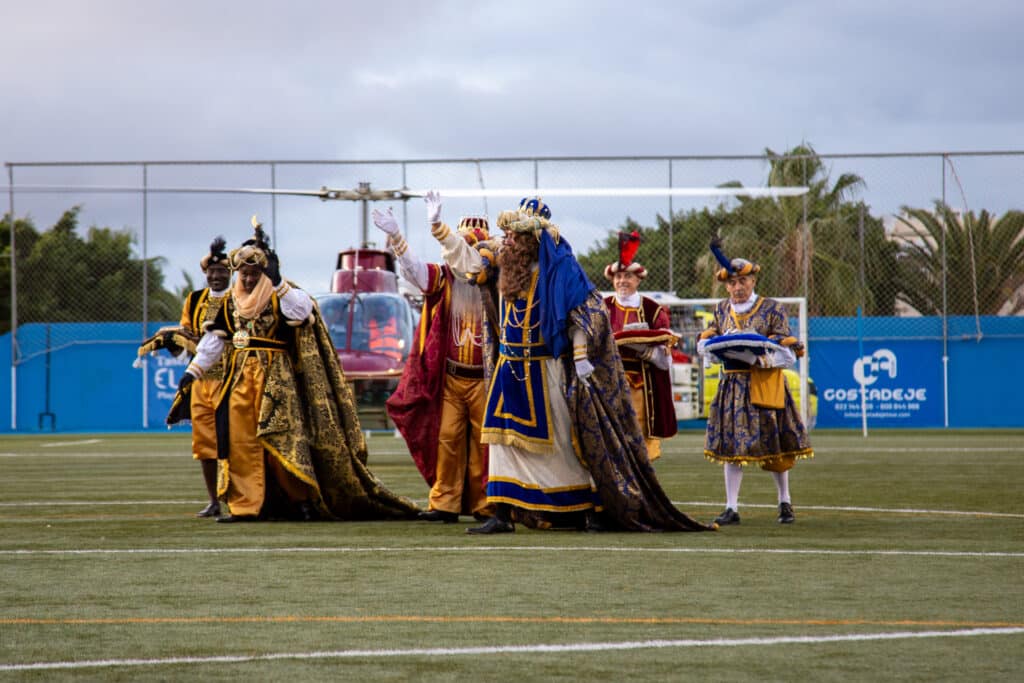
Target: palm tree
981, 260
816, 234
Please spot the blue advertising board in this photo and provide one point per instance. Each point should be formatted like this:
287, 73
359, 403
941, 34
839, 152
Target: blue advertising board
162, 374
91, 384
900, 380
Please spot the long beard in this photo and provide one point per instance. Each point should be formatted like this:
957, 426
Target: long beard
466, 307
516, 263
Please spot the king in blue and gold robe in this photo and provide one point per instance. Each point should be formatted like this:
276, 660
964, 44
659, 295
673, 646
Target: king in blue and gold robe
559, 443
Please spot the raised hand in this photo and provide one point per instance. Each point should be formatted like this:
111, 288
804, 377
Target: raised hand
433, 202
385, 221
273, 268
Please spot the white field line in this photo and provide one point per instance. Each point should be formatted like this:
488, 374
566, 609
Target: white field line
922, 449
851, 508
388, 451
184, 453
680, 504
97, 503
515, 649
59, 444
512, 549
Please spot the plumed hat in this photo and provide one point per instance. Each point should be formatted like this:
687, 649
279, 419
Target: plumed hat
731, 267
629, 242
474, 229
216, 256
253, 251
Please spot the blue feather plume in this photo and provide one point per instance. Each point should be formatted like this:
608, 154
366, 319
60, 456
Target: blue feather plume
716, 249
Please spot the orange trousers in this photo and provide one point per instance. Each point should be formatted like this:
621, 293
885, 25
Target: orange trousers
204, 422
460, 468
244, 484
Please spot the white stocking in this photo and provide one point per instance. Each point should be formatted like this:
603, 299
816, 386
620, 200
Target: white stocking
782, 484
733, 479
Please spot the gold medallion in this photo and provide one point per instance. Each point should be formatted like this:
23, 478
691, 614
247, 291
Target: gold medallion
240, 339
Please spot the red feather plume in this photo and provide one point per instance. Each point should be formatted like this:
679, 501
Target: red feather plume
628, 245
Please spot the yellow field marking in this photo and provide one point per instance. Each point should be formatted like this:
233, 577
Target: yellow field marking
480, 619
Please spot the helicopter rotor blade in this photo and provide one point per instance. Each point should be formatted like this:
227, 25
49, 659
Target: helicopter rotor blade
619, 192
367, 194
322, 193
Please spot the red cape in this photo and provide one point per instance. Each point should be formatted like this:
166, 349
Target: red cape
415, 405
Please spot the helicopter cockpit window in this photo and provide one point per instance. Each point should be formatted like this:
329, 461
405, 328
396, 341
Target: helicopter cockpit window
373, 322
385, 320
334, 311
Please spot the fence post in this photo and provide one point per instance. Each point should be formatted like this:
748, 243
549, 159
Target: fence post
14, 304
145, 291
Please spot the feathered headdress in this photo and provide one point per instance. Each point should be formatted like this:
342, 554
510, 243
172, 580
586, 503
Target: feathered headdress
254, 250
731, 267
216, 255
629, 243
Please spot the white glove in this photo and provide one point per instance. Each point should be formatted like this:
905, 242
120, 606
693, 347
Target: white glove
748, 357
584, 369
433, 201
385, 221
700, 346
657, 356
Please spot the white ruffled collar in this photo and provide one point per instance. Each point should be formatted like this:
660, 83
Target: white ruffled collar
746, 305
632, 301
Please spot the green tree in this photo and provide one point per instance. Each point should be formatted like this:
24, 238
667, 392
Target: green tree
983, 261
691, 233
65, 278
773, 232
25, 237
817, 232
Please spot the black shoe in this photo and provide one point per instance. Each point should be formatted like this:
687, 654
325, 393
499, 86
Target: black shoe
232, 519
481, 517
592, 523
438, 516
786, 515
307, 513
211, 510
493, 526
729, 516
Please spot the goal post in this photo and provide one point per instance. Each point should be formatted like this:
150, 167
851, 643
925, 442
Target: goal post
689, 318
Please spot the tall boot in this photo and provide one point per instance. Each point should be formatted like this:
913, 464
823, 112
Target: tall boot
500, 523
210, 477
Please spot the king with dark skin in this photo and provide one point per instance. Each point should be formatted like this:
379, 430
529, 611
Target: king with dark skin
218, 277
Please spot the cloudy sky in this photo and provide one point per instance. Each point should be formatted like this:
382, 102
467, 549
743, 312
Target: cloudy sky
111, 80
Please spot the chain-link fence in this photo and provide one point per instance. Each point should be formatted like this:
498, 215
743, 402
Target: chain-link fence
915, 237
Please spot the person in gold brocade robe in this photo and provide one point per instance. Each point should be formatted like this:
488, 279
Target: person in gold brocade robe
290, 445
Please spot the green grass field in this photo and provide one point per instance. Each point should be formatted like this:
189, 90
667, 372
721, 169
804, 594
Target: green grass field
906, 563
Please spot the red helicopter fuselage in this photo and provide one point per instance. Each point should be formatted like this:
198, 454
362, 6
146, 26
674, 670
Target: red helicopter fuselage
372, 326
